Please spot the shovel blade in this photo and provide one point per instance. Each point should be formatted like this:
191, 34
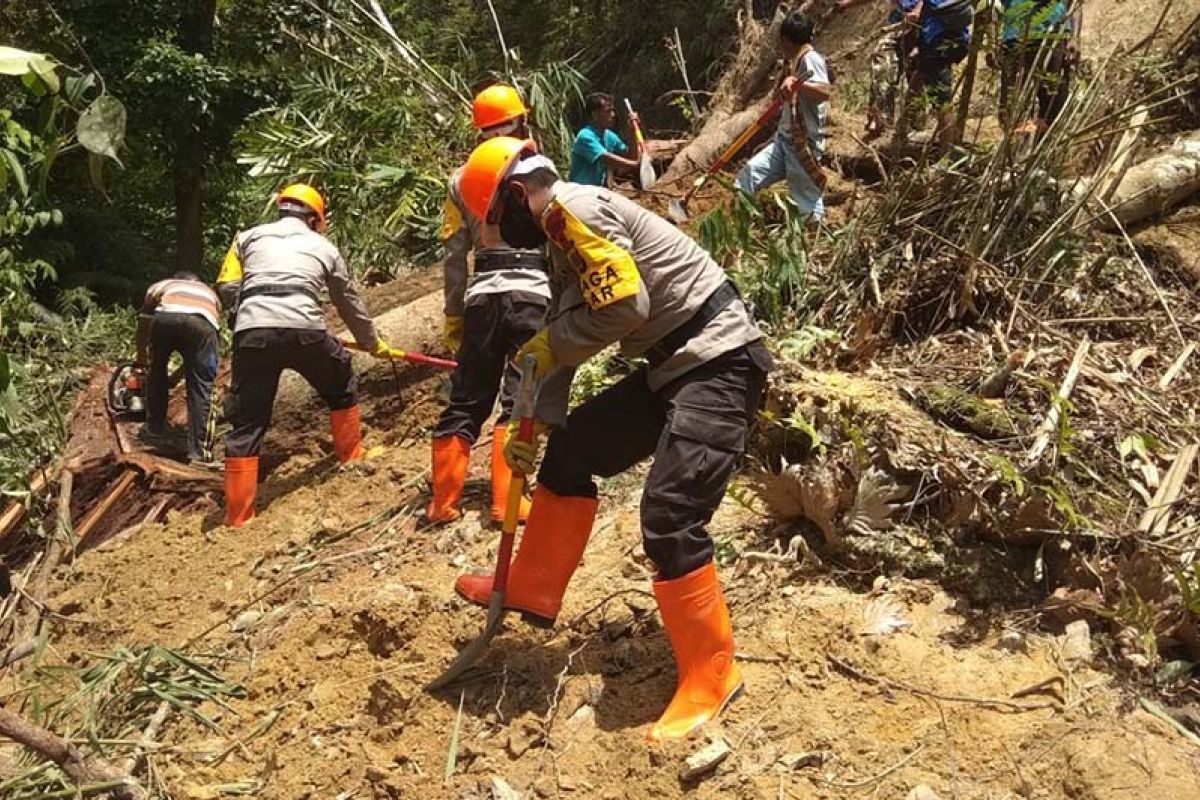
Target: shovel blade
677, 212
471, 653
646, 173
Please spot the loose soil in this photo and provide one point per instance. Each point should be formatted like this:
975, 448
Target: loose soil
346, 629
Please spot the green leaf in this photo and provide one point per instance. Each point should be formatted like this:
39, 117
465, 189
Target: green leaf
101, 128
22, 62
5, 372
18, 172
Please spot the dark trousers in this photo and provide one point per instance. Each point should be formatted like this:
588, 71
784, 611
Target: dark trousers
259, 357
1050, 66
196, 342
695, 427
494, 328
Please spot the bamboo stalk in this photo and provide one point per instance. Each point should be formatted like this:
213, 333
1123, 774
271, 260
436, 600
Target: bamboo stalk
1064, 392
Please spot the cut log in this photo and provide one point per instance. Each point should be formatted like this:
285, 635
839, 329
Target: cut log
93, 517
14, 513
739, 97
1157, 184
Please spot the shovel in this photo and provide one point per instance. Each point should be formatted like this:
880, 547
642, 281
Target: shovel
677, 209
522, 409
412, 358
646, 174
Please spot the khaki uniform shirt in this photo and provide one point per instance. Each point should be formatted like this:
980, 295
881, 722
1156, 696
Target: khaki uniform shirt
462, 233
624, 274
287, 253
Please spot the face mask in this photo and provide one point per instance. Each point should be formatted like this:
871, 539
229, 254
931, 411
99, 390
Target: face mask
518, 226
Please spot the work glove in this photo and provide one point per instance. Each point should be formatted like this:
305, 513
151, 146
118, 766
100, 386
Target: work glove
539, 348
385, 350
521, 457
452, 333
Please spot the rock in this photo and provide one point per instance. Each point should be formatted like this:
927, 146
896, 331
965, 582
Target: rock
544, 787
922, 792
795, 761
521, 737
584, 718
1012, 642
704, 760
245, 620
502, 791
1076, 645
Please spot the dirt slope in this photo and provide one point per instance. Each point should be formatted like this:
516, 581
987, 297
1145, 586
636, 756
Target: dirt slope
343, 630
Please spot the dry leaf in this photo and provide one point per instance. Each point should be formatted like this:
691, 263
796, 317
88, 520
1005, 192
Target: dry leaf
882, 616
872, 509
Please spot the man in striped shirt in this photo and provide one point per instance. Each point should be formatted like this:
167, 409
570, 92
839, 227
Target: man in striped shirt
181, 315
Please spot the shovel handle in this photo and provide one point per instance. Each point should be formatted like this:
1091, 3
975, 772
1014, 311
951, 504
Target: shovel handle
412, 358
637, 129
523, 407
737, 145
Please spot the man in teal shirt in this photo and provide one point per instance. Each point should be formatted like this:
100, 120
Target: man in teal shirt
1041, 45
598, 147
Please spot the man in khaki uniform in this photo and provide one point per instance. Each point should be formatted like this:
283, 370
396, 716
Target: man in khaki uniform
273, 277
490, 312
623, 274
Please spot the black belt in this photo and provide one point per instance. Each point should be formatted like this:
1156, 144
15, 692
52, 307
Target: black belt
509, 259
670, 344
277, 290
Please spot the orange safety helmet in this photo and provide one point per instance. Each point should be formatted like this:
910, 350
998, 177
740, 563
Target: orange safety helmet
306, 196
486, 168
495, 105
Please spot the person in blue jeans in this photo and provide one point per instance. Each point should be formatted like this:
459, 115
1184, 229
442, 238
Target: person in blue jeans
597, 146
181, 315
794, 153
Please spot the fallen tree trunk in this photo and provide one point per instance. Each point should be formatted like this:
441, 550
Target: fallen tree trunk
85, 773
739, 97
1157, 184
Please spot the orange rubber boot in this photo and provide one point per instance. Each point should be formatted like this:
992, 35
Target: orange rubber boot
347, 433
502, 478
697, 624
451, 456
241, 484
551, 549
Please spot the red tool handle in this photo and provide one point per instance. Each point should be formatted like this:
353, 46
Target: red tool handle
523, 407
412, 358
431, 361
737, 145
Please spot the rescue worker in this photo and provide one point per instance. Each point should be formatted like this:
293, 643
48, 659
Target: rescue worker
944, 33
623, 274
181, 315
597, 147
887, 61
1041, 44
272, 278
488, 316
794, 154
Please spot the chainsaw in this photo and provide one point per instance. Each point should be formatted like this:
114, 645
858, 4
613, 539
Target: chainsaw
127, 391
